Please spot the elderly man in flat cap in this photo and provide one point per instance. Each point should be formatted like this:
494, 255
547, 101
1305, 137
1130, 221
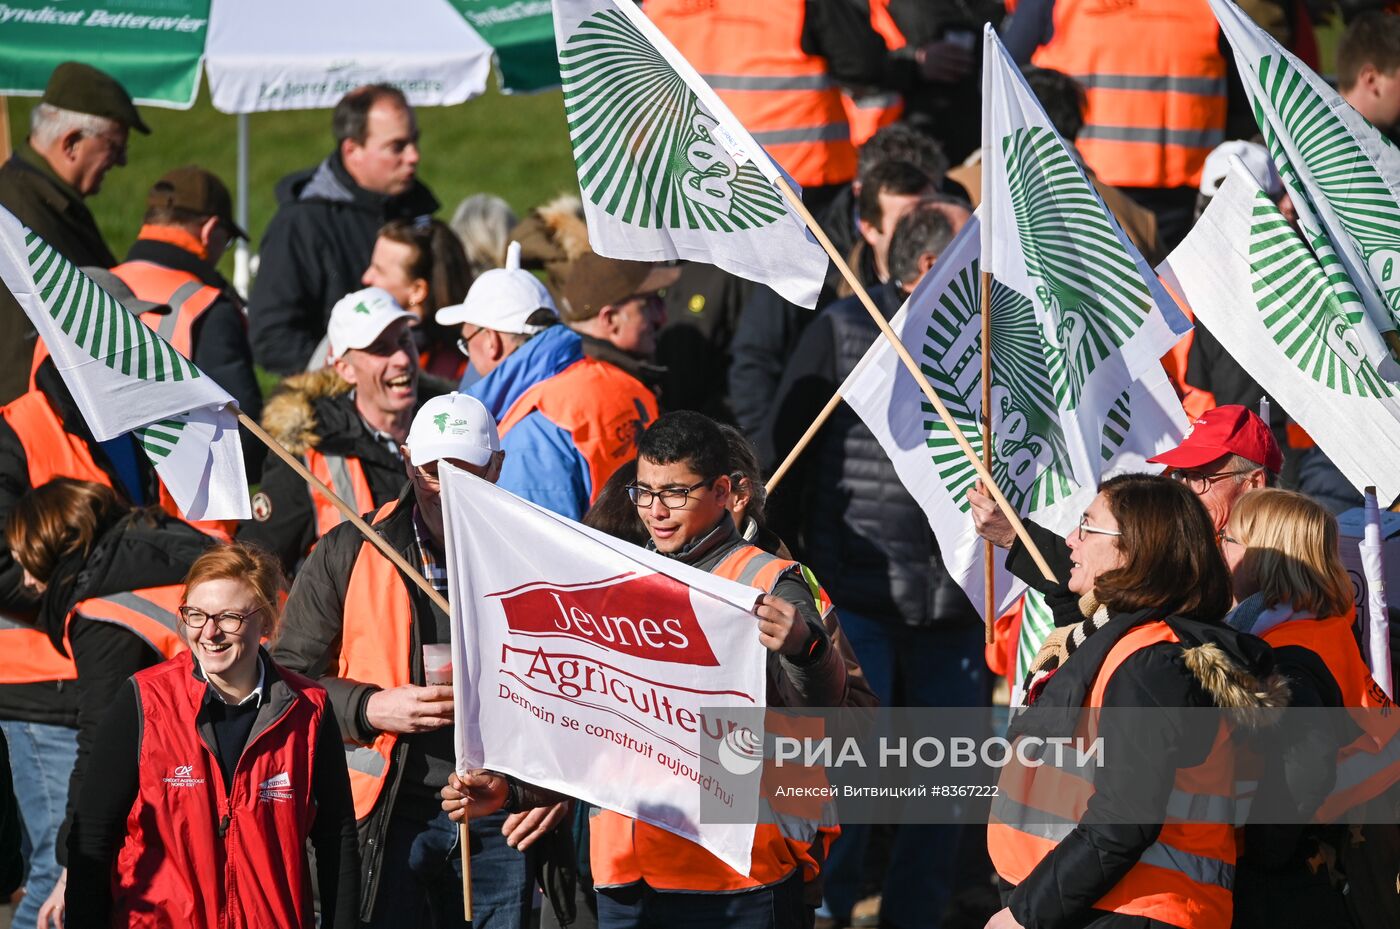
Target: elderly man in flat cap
77, 133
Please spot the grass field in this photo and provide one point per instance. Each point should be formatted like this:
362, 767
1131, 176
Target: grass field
514, 146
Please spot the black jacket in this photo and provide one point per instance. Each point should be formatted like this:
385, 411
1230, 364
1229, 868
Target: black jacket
310, 410
31, 190
702, 312
858, 528
147, 548
314, 252
1211, 666
53, 703
309, 643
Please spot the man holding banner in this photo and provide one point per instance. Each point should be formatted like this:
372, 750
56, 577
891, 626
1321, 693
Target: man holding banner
648, 874
361, 629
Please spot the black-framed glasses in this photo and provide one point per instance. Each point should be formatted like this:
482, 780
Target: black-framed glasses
1198, 482
464, 344
1095, 530
673, 498
227, 621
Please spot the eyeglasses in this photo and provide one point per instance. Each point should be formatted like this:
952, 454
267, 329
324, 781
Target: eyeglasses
1095, 530
227, 621
463, 345
1200, 483
673, 498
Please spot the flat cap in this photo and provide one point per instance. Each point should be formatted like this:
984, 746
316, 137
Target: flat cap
84, 89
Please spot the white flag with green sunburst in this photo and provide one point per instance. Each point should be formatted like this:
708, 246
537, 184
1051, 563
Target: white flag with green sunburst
1047, 237
1032, 429
1341, 173
1288, 318
665, 169
125, 378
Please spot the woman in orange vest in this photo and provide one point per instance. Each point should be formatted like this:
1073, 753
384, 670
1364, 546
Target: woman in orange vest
1149, 840
1293, 592
218, 767
108, 581
422, 264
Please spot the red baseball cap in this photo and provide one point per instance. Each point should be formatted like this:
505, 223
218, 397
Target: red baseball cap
1225, 430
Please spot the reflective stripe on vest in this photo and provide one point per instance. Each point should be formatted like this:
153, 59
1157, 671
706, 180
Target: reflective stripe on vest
149, 613
1156, 109
345, 476
51, 451
1369, 765
751, 54
868, 113
376, 637
30, 657
1186, 877
625, 851
186, 295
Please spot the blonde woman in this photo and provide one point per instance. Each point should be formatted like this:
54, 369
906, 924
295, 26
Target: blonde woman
1292, 590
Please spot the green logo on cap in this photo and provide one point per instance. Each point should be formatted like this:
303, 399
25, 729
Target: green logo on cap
440, 421
361, 308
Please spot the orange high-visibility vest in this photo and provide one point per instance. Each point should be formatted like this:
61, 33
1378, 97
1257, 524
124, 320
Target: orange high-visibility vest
345, 476
186, 295
624, 850
150, 613
1155, 79
1371, 764
602, 407
1183, 879
376, 637
751, 54
868, 113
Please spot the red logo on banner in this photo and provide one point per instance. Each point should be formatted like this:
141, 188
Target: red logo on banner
647, 617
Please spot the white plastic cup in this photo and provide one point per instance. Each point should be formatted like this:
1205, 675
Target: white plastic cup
437, 664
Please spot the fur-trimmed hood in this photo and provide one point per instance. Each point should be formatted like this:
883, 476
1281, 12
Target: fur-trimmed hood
552, 237
290, 414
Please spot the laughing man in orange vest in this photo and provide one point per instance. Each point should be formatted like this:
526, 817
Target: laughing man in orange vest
358, 627
645, 876
346, 420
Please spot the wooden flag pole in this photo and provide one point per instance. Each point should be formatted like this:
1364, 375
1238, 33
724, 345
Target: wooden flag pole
806, 440
397, 560
913, 368
989, 564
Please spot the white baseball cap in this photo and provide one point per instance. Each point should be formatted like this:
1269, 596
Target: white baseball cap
453, 426
502, 299
1253, 156
358, 318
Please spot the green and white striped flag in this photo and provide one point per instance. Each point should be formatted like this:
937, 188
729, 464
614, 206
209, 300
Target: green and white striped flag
665, 169
1341, 173
1047, 237
125, 378
1288, 317
1032, 429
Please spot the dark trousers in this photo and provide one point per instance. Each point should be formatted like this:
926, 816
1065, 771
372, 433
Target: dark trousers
639, 907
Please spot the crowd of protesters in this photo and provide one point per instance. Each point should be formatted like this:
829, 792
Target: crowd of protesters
232, 723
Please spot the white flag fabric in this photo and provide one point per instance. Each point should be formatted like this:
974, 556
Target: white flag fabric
1047, 236
596, 668
124, 377
1341, 173
1286, 317
940, 324
665, 168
